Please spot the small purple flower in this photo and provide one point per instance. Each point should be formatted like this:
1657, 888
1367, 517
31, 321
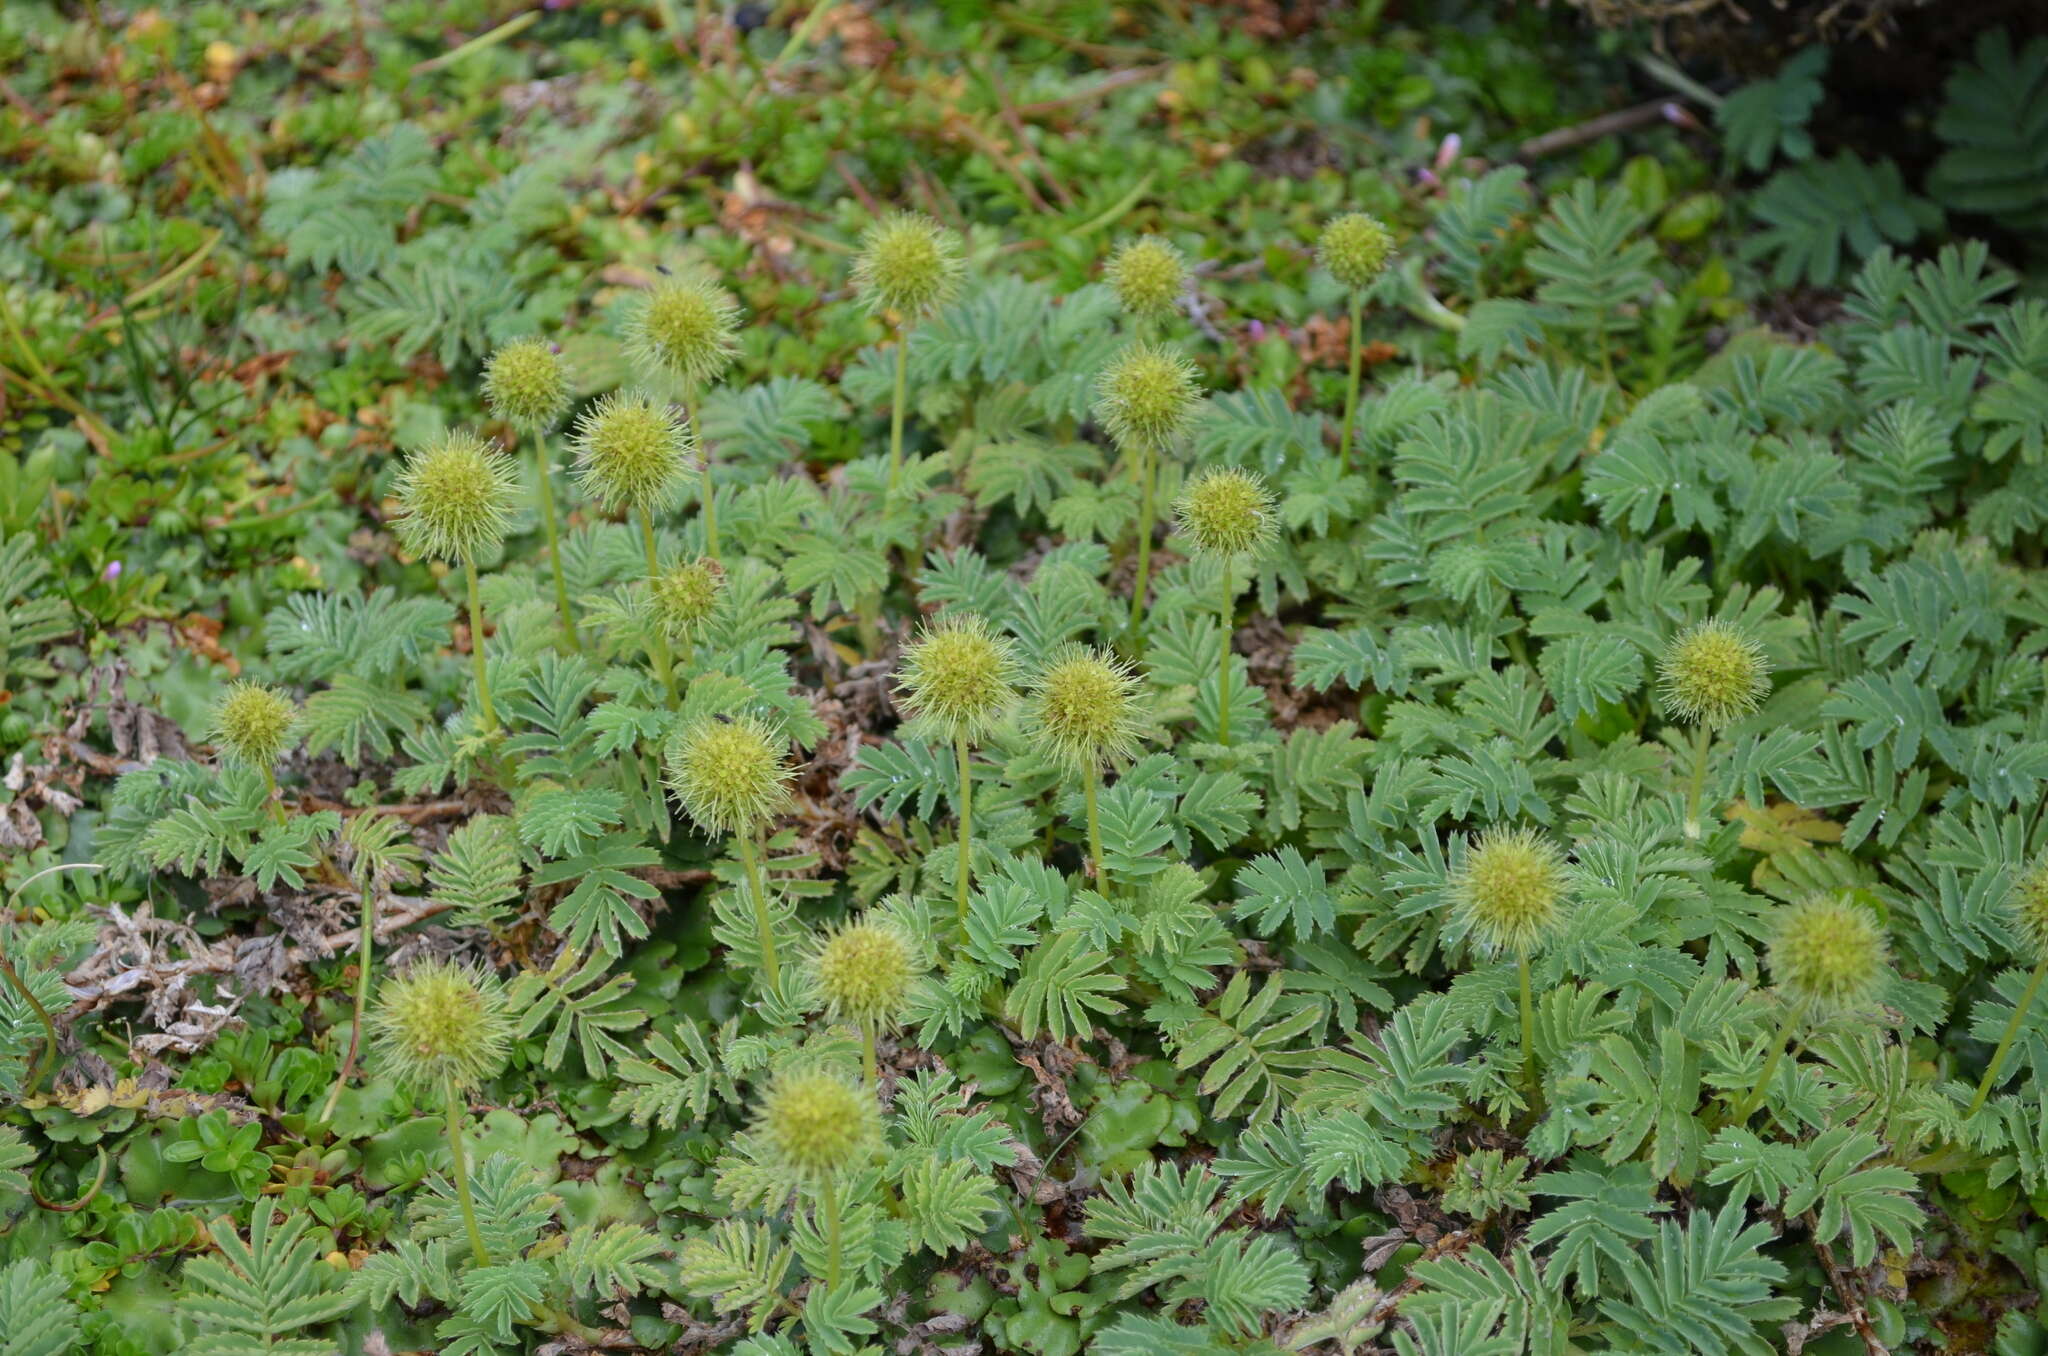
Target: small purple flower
112, 572
1258, 330
1447, 152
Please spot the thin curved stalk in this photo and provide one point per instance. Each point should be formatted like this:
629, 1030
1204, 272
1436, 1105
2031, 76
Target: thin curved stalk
1094, 833
1528, 1025
1702, 739
48, 1054
1148, 475
868, 1064
462, 1196
476, 648
896, 407
365, 940
2012, 1031
828, 1204
1351, 385
547, 514
765, 935
657, 643
1779, 1040
1223, 660
966, 823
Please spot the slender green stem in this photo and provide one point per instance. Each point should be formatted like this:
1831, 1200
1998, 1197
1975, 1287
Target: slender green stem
1701, 739
48, 1054
896, 407
1528, 1025
2012, 1031
1148, 474
751, 859
476, 1235
1094, 832
710, 491
547, 514
828, 1203
365, 939
476, 648
657, 642
270, 795
867, 1057
960, 751
1223, 629
1351, 385
1779, 1039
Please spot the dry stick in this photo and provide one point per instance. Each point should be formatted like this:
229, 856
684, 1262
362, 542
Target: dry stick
1607, 124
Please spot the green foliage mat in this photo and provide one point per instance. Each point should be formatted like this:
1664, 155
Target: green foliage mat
1328, 705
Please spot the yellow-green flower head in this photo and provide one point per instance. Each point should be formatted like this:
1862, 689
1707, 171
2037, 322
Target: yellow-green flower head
440, 1022
1356, 249
2028, 905
686, 595
685, 328
1828, 953
526, 386
815, 1123
1510, 892
456, 495
1713, 675
1149, 276
632, 453
730, 776
253, 725
1085, 707
959, 677
1148, 396
908, 264
864, 971
1226, 512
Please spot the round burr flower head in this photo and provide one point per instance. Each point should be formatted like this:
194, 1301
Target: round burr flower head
1085, 707
959, 677
864, 971
1713, 675
730, 776
2028, 905
632, 453
456, 496
1828, 953
815, 1123
1510, 891
908, 264
1148, 396
1226, 512
526, 386
253, 725
1356, 249
685, 595
438, 1022
1148, 275
685, 328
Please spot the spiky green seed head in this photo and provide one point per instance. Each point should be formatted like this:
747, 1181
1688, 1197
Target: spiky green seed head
1148, 276
632, 452
815, 1123
1713, 675
254, 725
526, 385
1084, 706
1148, 396
1828, 953
440, 1022
685, 328
2028, 905
1510, 892
959, 677
909, 264
1356, 249
730, 776
864, 971
1226, 512
685, 595
456, 496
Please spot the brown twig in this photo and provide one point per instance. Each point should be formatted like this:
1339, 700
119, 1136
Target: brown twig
1852, 1299
1607, 124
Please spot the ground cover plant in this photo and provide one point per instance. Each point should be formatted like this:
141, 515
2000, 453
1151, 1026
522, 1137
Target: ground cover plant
1021, 678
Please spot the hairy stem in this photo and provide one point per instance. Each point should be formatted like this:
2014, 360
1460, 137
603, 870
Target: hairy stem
1351, 386
462, 1196
867, 1058
966, 823
828, 1204
1094, 832
1148, 474
1223, 630
1779, 1040
710, 504
657, 643
365, 939
547, 516
751, 859
2012, 1031
896, 408
476, 648
1528, 1024
1702, 739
